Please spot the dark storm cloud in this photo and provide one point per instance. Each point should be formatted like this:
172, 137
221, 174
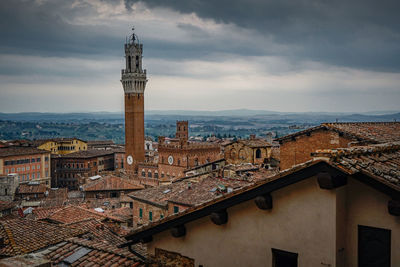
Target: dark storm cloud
354, 33
29, 28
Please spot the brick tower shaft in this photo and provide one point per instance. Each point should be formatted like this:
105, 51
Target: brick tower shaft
134, 83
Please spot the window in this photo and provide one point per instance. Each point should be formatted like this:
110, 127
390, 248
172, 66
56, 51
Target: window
149, 174
176, 209
131, 205
143, 173
27, 168
161, 216
258, 153
374, 246
282, 258
156, 175
38, 167
140, 213
5, 191
113, 194
38, 160
33, 167
38, 175
150, 215
33, 176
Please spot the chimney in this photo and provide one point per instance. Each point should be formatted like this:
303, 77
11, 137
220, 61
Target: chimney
252, 136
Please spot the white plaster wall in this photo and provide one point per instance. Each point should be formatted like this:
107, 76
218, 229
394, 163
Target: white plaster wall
367, 206
303, 221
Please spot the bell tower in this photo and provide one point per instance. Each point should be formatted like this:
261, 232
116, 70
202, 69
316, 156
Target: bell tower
133, 79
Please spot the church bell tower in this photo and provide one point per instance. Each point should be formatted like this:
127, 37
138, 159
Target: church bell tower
133, 79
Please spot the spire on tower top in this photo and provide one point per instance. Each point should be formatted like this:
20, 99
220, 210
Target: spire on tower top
133, 37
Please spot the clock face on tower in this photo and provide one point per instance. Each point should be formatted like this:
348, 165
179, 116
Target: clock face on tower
129, 159
170, 160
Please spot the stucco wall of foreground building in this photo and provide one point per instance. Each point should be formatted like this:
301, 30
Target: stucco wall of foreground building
320, 225
302, 221
368, 207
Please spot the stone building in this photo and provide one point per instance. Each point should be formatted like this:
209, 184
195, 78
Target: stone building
8, 186
297, 148
31, 164
133, 79
179, 154
61, 146
339, 209
253, 150
68, 170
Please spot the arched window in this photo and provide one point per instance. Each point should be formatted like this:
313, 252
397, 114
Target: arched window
129, 64
258, 153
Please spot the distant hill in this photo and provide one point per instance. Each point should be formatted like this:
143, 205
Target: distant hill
188, 114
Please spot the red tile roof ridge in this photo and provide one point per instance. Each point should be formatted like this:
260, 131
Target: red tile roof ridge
88, 210
357, 150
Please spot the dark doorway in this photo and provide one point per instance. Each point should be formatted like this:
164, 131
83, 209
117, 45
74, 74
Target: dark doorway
373, 247
282, 258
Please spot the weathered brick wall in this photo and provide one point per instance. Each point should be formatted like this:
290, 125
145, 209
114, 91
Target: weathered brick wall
238, 153
299, 150
146, 207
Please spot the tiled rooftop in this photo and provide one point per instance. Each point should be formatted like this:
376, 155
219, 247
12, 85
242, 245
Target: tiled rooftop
24, 236
83, 252
205, 190
109, 183
380, 132
124, 214
71, 214
41, 213
85, 154
5, 205
96, 230
32, 188
19, 151
188, 192
381, 160
374, 132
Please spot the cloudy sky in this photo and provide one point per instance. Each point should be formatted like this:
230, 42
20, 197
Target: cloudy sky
305, 55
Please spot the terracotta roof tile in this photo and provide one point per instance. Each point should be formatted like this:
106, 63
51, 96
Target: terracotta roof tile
41, 213
19, 151
374, 132
97, 230
83, 252
32, 188
72, 214
5, 205
24, 236
380, 132
380, 160
86, 154
111, 183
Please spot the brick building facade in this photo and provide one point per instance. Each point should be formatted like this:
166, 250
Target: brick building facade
297, 148
68, 170
31, 164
